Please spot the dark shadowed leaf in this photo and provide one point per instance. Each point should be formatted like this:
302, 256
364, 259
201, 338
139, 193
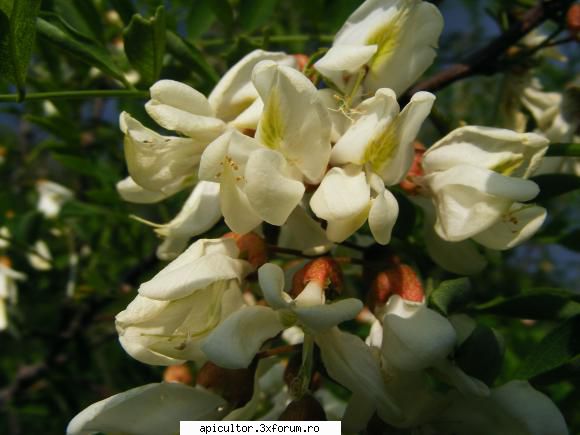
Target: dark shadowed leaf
552, 185
256, 13
481, 355
450, 295
190, 55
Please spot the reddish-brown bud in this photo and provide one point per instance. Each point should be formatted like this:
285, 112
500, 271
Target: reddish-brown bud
252, 247
573, 21
416, 170
178, 373
324, 271
235, 386
5, 261
400, 280
301, 61
306, 408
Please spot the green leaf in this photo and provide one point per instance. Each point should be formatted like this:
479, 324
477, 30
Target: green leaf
125, 9
190, 56
564, 150
256, 13
559, 347
82, 15
481, 355
224, 12
552, 185
86, 49
571, 240
200, 18
18, 24
541, 304
450, 295
145, 44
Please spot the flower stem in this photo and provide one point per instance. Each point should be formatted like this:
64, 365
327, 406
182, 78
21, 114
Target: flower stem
276, 39
72, 95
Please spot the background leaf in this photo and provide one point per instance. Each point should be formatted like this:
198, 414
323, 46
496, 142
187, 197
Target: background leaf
552, 185
256, 13
561, 346
450, 295
145, 44
82, 47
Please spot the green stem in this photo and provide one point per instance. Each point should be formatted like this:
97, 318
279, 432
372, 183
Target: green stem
274, 39
564, 150
305, 373
71, 95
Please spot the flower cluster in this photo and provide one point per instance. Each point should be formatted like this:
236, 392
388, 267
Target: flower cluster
269, 147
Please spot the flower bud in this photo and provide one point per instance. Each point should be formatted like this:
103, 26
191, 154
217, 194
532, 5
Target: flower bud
235, 386
178, 373
323, 271
399, 279
301, 61
306, 408
573, 21
416, 170
252, 248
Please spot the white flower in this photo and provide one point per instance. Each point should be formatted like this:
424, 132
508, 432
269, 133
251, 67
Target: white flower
390, 42
376, 151
52, 197
40, 258
160, 166
8, 289
234, 343
150, 409
262, 178
476, 178
183, 303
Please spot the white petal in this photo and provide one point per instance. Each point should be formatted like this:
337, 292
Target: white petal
350, 362
294, 121
519, 224
238, 213
342, 59
408, 124
235, 91
340, 122
52, 197
414, 336
159, 163
132, 192
150, 409
236, 341
200, 212
343, 193
271, 279
272, 193
176, 106
382, 216
496, 149
320, 317
341, 229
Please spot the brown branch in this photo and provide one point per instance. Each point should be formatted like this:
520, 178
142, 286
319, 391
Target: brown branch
485, 61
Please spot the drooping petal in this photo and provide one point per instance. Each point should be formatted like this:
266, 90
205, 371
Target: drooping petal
200, 212
158, 163
238, 213
343, 193
341, 229
470, 199
382, 216
324, 316
236, 341
235, 92
520, 223
304, 233
294, 121
178, 107
414, 336
132, 192
351, 363
271, 279
272, 193
150, 409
